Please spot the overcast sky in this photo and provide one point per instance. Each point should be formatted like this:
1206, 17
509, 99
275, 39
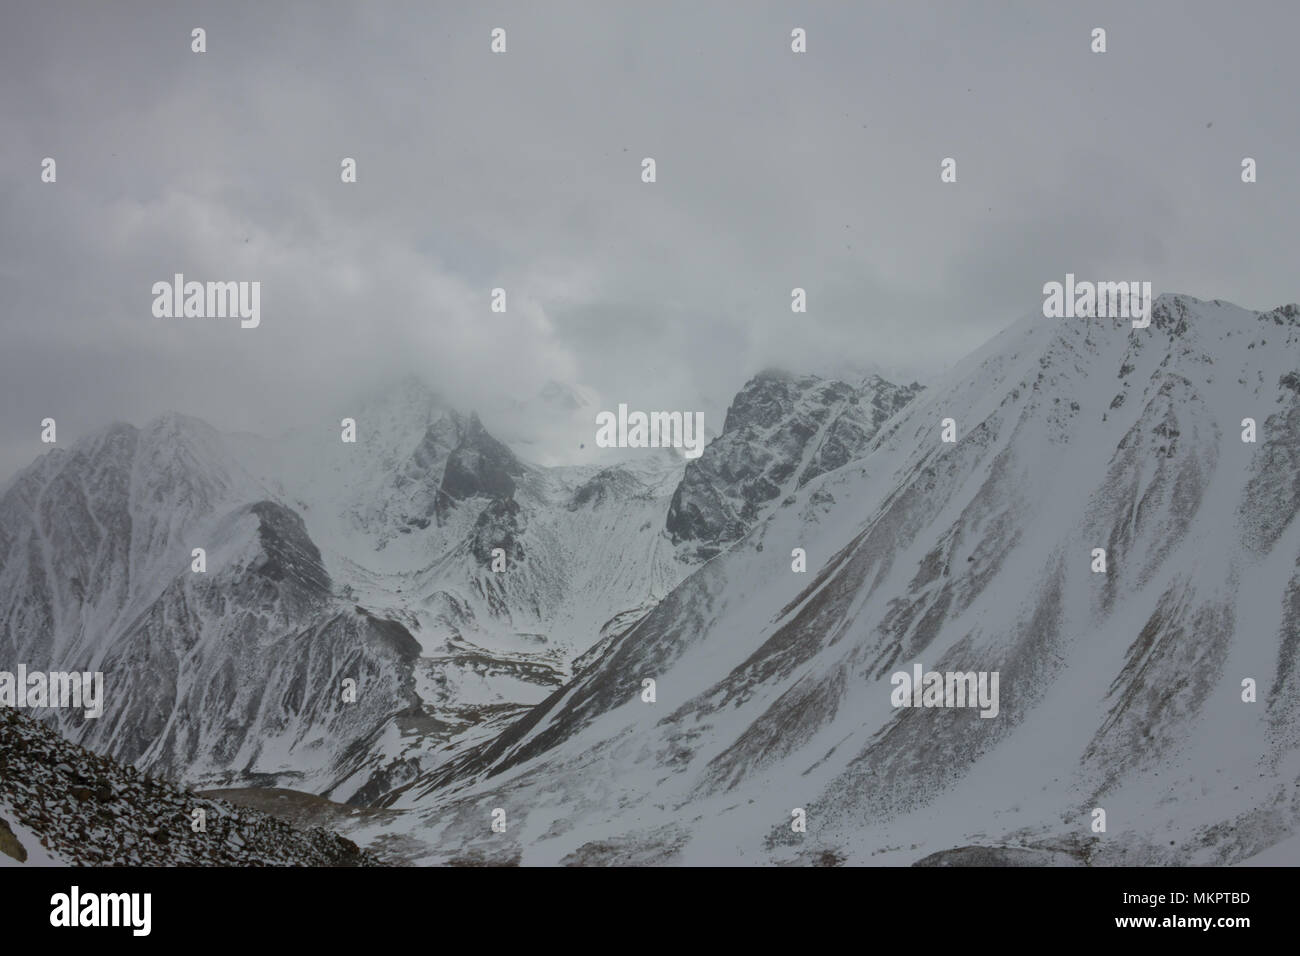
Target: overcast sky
522, 170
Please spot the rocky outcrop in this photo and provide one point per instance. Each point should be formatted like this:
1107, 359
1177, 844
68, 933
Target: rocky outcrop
89, 810
781, 431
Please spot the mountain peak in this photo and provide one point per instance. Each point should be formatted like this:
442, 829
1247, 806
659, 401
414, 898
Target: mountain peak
781, 432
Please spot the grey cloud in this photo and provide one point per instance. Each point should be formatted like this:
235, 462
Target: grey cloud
522, 171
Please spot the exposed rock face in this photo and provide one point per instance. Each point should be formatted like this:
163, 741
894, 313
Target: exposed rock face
499, 525
479, 466
781, 431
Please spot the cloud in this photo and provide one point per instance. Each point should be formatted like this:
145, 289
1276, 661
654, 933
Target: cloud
522, 171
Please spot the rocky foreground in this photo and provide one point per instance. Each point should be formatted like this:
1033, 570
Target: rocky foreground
89, 810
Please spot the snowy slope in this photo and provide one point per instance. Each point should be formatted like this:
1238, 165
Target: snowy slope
1120, 691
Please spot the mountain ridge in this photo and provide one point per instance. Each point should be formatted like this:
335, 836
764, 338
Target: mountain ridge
326, 548
934, 552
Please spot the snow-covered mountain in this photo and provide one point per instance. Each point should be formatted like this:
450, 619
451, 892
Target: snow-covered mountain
456, 583
503, 571
233, 670
1124, 690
